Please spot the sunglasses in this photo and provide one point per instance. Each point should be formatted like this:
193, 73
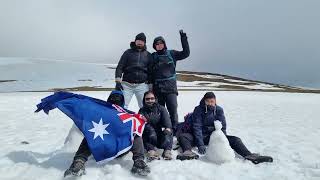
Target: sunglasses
150, 99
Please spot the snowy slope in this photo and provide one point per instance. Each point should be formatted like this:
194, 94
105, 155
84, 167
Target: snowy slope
283, 125
29, 74
42, 75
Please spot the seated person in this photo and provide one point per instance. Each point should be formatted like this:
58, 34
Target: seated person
158, 130
77, 167
198, 127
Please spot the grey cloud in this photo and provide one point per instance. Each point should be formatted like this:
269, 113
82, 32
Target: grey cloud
275, 40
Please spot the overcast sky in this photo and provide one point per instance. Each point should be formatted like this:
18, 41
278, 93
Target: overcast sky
271, 40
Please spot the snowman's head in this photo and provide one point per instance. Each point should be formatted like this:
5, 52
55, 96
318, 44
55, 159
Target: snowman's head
217, 125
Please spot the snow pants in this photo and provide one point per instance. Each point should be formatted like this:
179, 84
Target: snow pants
137, 149
153, 138
186, 141
169, 100
133, 89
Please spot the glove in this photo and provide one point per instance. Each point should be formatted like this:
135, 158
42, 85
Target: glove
182, 34
119, 86
202, 149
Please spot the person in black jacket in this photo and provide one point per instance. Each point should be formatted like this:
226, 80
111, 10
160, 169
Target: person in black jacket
77, 167
164, 74
198, 127
133, 70
158, 130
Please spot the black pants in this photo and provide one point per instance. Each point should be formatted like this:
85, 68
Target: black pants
153, 138
186, 141
137, 149
170, 101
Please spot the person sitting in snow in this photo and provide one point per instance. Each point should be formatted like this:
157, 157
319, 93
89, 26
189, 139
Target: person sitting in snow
77, 167
198, 127
158, 130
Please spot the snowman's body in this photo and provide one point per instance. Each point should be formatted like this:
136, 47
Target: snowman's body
219, 150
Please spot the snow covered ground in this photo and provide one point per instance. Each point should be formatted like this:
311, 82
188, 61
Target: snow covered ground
283, 125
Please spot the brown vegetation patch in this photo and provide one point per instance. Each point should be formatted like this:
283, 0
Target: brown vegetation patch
1, 81
85, 80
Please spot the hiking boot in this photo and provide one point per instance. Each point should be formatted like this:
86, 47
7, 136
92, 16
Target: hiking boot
167, 155
152, 155
257, 158
140, 167
187, 155
77, 168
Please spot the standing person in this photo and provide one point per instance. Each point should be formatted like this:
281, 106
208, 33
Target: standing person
132, 72
158, 130
164, 74
198, 127
77, 167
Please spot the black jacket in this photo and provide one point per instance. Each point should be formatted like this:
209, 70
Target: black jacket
164, 68
157, 116
134, 65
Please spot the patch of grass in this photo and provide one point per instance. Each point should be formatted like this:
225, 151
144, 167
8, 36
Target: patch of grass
85, 80
111, 67
203, 84
233, 87
191, 78
1, 81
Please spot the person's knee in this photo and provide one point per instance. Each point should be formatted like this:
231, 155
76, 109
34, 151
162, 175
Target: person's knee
153, 139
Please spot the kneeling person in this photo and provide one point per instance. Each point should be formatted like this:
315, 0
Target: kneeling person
158, 130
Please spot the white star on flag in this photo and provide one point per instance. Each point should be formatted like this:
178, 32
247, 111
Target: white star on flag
99, 129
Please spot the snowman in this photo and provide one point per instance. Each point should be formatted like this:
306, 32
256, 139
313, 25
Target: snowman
219, 150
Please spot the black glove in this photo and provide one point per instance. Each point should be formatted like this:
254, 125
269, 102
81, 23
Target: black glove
119, 86
202, 149
182, 34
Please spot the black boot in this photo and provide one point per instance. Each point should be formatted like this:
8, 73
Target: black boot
140, 167
257, 158
77, 168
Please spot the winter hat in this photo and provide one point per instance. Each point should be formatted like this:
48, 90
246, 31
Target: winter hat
209, 95
141, 37
159, 38
116, 97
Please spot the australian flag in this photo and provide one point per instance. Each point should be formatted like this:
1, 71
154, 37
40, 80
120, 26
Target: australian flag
109, 129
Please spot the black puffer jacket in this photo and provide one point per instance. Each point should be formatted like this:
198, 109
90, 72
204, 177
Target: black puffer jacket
134, 65
157, 116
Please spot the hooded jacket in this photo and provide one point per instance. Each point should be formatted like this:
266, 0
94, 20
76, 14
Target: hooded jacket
164, 66
118, 93
134, 65
202, 121
157, 116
